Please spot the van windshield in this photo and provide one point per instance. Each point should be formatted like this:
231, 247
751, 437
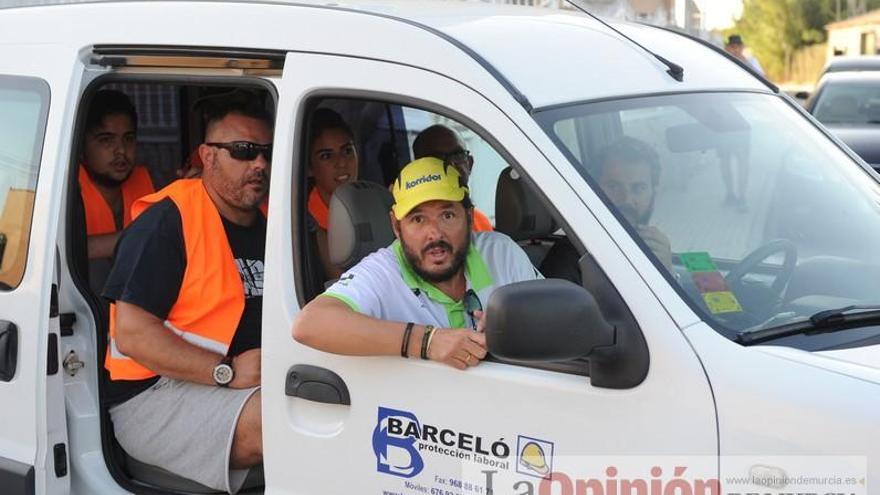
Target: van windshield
756, 217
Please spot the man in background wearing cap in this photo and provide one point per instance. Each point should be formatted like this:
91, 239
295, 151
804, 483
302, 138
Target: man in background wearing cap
423, 295
735, 47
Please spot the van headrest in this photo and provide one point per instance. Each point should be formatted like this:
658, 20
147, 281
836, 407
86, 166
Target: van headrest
358, 223
518, 211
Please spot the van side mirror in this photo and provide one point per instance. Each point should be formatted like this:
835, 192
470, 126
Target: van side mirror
545, 320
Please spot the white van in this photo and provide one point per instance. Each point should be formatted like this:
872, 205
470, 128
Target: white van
750, 356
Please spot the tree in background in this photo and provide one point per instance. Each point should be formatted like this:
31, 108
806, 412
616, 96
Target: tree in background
775, 29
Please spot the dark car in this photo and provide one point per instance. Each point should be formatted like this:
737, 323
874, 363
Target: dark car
848, 103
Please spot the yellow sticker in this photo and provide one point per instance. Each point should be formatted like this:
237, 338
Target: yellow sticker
722, 302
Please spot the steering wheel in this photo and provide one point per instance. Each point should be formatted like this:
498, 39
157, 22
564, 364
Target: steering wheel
749, 263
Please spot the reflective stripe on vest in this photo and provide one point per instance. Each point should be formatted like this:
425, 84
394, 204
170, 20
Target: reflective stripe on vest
211, 298
99, 215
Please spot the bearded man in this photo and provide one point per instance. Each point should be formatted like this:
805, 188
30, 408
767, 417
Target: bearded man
423, 295
185, 323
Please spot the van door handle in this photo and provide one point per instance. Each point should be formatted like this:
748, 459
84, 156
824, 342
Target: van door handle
316, 384
8, 350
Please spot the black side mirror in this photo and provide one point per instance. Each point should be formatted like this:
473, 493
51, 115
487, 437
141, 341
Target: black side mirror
545, 320
555, 320
802, 95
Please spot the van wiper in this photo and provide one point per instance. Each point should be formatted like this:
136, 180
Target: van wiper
828, 321
673, 69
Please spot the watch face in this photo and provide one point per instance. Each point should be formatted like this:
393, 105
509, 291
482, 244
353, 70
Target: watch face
223, 374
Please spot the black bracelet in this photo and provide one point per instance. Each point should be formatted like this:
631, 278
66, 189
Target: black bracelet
429, 329
404, 346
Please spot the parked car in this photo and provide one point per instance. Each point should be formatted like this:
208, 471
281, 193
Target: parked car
847, 101
747, 358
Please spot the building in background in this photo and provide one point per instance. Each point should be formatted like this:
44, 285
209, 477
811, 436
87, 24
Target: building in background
854, 36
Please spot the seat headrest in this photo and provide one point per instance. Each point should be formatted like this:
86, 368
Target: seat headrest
358, 223
518, 211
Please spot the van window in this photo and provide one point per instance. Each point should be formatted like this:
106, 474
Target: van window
383, 135
24, 104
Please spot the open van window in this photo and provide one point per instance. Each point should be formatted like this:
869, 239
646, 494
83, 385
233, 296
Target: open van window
367, 144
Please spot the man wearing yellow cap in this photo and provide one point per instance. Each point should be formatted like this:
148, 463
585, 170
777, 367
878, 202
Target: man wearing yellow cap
423, 295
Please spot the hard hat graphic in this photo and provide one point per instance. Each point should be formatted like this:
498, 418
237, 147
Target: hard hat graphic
532, 457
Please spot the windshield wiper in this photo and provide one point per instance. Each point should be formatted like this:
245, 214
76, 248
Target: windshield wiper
827, 321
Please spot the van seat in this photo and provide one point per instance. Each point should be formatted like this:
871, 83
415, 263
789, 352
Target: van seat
358, 223
520, 214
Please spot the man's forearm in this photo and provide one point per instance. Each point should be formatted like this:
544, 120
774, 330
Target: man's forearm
144, 338
330, 325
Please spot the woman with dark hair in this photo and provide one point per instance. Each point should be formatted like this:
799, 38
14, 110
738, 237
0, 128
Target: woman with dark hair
333, 160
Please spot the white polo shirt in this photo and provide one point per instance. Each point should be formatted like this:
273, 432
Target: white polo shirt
383, 285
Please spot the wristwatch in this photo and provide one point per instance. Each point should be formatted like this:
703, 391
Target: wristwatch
223, 372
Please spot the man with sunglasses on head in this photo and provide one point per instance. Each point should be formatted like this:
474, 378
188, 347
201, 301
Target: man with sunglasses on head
444, 143
186, 288
421, 297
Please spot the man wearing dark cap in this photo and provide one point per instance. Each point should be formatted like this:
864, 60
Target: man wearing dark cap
735, 47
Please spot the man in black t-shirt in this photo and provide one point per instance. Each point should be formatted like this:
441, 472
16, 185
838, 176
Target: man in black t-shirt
187, 286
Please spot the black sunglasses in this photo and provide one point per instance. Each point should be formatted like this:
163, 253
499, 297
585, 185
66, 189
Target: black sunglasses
460, 157
245, 150
472, 303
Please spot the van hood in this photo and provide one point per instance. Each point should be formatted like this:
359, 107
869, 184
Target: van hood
860, 362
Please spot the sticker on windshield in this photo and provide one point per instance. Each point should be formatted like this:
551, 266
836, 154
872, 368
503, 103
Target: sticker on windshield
710, 282
722, 302
698, 262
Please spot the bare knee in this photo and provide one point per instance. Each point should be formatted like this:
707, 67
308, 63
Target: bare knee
247, 445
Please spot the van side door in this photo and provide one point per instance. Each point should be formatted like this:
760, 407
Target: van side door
390, 425
33, 431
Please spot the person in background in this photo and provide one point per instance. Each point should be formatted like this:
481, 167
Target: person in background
444, 143
109, 180
628, 172
735, 47
333, 161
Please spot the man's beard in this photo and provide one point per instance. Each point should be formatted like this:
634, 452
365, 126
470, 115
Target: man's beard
458, 259
634, 217
106, 180
233, 191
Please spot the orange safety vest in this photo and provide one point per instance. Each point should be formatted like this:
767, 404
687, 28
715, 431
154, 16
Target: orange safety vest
319, 209
99, 216
481, 222
211, 299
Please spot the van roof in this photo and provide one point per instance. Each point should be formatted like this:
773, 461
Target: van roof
544, 56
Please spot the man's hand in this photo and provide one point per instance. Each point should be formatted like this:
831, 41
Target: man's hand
658, 242
247, 369
458, 347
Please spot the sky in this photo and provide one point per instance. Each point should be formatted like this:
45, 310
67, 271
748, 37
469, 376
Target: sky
719, 14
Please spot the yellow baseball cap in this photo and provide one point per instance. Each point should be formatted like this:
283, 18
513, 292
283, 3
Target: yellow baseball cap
426, 179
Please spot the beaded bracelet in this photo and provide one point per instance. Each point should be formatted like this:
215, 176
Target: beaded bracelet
404, 346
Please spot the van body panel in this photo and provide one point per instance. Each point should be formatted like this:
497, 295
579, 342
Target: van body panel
771, 404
